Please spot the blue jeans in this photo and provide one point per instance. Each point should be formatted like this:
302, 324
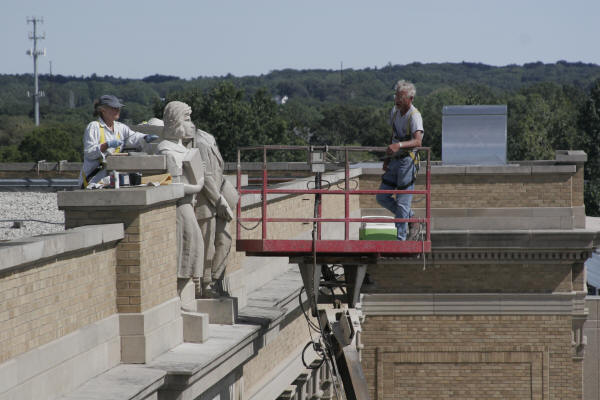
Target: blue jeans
401, 171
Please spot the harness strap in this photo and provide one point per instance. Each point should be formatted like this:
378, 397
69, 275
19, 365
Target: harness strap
87, 178
406, 127
393, 184
103, 138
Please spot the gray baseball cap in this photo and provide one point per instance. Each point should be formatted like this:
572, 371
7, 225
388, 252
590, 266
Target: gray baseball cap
111, 101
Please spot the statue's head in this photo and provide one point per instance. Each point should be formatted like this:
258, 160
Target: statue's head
178, 122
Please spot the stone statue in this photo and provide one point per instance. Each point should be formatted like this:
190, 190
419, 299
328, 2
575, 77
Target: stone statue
216, 201
185, 165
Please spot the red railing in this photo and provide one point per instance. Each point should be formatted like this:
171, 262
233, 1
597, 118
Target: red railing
278, 247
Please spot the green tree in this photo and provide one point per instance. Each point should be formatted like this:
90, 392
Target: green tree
224, 113
528, 121
431, 107
10, 154
589, 125
48, 143
353, 125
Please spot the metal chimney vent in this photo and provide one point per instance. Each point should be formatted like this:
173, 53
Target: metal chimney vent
474, 135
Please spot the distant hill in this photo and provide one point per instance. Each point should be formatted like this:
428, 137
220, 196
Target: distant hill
370, 86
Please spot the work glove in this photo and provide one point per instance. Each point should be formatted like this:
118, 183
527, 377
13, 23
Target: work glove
114, 143
150, 138
223, 209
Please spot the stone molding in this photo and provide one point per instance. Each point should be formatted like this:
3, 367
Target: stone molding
571, 156
470, 304
497, 256
26, 251
48, 371
140, 163
537, 256
138, 196
275, 382
151, 333
497, 218
495, 170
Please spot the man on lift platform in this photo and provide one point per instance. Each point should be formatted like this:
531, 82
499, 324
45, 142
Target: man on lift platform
401, 165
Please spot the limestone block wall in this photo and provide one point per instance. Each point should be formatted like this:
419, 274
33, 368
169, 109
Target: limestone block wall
286, 207
272, 359
47, 300
149, 242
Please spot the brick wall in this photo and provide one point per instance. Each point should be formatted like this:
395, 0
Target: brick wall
528, 354
473, 278
578, 186
158, 244
47, 300
146, 257
493, 191
470, 357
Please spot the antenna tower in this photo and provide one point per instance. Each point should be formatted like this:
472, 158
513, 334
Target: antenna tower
35, 53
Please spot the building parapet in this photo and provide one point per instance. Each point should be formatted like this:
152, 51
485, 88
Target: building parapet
125, 197
21, 252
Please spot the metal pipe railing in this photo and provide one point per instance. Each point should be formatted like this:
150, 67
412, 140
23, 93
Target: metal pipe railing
264, 191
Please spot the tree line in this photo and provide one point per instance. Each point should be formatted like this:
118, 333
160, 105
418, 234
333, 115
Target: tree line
550, 106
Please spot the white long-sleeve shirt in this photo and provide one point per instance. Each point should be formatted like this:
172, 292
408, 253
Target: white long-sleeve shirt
92, 156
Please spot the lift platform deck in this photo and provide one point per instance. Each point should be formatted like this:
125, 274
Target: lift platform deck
272, 246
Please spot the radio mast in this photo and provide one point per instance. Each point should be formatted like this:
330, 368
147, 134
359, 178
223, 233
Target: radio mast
35, 53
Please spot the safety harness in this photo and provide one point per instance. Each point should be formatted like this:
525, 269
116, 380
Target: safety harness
100, 167
414, 155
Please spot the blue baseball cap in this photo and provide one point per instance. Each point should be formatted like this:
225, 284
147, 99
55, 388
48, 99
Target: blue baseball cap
111, 101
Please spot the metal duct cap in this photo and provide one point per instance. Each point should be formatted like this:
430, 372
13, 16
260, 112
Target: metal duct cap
474, 135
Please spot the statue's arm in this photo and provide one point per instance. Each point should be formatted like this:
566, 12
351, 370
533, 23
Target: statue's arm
191, 189
211, 190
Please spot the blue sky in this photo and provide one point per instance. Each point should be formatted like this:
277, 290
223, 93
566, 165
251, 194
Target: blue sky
134, 38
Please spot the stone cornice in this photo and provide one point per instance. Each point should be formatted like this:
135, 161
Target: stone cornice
23, 252
487, 170
472, 304
495, 256
125, 197
552, 239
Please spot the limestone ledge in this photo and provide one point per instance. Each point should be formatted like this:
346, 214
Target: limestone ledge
124, 197
509, 169
24, 251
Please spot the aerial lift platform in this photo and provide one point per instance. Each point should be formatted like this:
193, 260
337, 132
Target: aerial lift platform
338, 328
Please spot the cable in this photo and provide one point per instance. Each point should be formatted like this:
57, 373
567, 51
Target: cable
311, 182
310, 323
249, 229
353, 180
319, 350
331, 363
31, 220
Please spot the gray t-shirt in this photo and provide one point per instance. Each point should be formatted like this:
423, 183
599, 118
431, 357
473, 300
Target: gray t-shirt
400, 125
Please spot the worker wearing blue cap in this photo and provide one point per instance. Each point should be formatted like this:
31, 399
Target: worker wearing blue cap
106, 135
